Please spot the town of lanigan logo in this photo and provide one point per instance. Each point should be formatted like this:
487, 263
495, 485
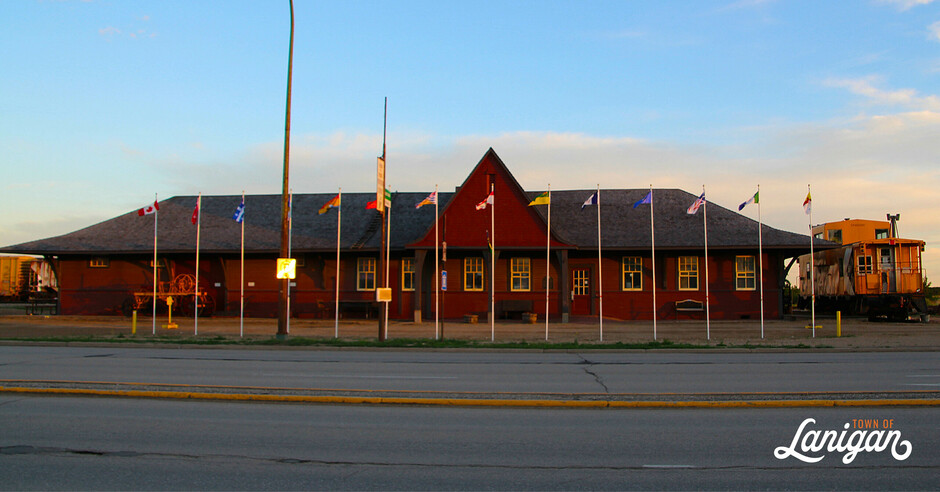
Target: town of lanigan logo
870, 436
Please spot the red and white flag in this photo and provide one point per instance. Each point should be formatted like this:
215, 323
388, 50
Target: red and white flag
195, 219
149, 209
489, 200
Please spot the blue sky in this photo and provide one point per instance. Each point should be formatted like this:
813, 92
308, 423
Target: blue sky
105, 102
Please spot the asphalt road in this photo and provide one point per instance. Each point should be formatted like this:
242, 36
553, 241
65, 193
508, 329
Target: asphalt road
152, 444
479, 371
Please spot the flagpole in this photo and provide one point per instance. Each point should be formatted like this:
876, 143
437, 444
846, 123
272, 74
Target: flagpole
290, 232
492, 265
339, 225
548, 243
196, 295
600, 271
437, 266
388, 256
653, 249
708, 326
241, 313
156, 215
760, 261
812, 262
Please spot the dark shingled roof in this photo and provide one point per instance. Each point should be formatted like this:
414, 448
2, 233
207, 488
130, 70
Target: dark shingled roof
622, 226
625, 227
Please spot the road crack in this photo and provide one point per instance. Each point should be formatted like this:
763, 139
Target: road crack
589, 370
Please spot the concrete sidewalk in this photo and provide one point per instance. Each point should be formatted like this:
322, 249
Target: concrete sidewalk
856, 333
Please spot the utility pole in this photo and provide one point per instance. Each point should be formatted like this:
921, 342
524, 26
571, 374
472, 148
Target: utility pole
380, 205
285, 201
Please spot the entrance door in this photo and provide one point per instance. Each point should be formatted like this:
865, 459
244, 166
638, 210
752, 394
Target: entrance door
581, 292
886, 265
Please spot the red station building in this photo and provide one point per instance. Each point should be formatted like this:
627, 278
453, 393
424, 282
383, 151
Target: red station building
99, 268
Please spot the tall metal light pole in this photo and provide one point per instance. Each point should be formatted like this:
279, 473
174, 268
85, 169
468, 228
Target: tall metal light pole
285, 202
381, 206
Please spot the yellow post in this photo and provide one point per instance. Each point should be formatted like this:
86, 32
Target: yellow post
170, 325
838, 323
134, 323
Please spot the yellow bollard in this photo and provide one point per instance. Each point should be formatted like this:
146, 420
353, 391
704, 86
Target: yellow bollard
838, 323
134, 323
170, 325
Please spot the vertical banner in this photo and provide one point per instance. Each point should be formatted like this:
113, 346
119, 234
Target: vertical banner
380, 185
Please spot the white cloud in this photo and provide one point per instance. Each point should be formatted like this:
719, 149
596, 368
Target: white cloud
934, 31
903, 97
109, 32
906, 4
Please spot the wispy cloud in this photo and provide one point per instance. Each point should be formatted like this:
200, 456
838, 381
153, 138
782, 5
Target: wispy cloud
132, 32
109, 32
934, 31
903, 5
909, 98
746, 4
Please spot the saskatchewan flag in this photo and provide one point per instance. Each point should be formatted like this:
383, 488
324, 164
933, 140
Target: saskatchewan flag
542, 199
753, 199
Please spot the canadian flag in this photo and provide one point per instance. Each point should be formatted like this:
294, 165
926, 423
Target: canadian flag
195, 218
149, 209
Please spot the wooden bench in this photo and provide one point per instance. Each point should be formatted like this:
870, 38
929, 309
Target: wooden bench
689, 306
358, 308
513, 308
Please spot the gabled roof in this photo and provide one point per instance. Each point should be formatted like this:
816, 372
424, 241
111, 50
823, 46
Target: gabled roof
518, 225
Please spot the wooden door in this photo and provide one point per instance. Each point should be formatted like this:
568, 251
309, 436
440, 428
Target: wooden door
580, 291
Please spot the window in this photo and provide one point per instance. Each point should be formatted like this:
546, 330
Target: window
520, 270
818, 235
365, 274
688, 273
473, 273
744, 273
99, 262
632, 273
836, 236
864, 265
881, 234
407, 274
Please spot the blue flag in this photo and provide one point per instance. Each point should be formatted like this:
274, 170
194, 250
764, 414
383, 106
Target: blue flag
647, 199
592, 200
239, 214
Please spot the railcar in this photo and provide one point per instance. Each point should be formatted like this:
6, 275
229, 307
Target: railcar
24, 277
874, 273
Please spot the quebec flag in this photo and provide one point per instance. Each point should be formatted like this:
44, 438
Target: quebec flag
239, 214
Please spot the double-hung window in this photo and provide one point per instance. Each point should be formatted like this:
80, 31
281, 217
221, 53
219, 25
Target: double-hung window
745, 273
688, 273
473, 273
632, 273
365, 274
520, 274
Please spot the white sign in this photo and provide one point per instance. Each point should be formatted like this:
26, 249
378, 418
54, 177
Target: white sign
444, 280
